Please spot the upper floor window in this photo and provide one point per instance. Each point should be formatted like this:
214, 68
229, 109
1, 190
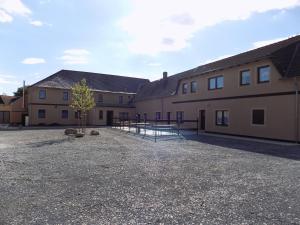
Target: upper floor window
184, 88
42, 94
216, 83
121, 99
100, 98
193, 86
263, 74
66, 96
245, 77
42, 114
157, 116
222, 118
64, 114
258, 117
179, 117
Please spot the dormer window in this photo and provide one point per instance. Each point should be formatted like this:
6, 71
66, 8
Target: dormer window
184, 88
42, 94
263, 74
100, 98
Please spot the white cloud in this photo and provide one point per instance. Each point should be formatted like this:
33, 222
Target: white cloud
75, 56
32, 61
156, 26
9, 8
36, 23
154, 64
259, 44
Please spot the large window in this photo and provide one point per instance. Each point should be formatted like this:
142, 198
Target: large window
157, 116
41, 113
121, 99
42, 94
180, 117
263, 74
193, 86
65, 96
216, 83
64, 114
184, 88
100, 115
258, 117
100, 98
245, 77
222, 118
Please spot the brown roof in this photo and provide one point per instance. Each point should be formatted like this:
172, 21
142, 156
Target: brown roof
103, 82
284, 54
6, 100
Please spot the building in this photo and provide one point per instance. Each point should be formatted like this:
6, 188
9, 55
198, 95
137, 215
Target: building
12, 110
49, 99
253, 94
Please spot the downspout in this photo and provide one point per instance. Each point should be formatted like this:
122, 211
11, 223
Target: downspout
296, 110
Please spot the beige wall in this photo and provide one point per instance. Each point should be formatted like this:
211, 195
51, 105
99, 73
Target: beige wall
54, 104
279, 110
16, 111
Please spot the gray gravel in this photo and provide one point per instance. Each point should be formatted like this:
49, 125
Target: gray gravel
115, 178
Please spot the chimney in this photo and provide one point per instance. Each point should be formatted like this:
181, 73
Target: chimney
165, 75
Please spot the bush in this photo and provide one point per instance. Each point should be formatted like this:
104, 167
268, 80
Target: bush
94, 132
70, 131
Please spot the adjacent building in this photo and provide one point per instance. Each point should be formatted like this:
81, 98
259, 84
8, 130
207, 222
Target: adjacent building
253, 94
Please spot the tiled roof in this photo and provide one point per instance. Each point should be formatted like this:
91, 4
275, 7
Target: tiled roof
284, 54
6, 100
103, 82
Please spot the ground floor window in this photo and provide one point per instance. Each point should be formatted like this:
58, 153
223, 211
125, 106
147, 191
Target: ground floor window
258, 116
157, 116
145, 117
123, 115
180, 117
222, 118
41, 113
64, 114
100, 115
77, 115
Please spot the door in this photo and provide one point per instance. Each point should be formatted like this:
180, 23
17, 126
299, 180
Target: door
109, 118
4, 117
169, 117
202, 119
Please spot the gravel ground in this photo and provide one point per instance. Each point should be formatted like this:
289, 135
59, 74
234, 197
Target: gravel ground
115, 178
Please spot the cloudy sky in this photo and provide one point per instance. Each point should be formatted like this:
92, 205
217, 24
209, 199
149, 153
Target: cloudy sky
139, 38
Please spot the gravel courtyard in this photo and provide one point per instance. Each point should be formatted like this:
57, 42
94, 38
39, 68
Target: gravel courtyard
115, 178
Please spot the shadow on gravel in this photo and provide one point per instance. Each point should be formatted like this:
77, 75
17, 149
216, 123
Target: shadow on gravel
289, 152
49, 142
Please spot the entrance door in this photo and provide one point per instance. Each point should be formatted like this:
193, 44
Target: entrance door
109, 118
169, 117
202, 119
4, 117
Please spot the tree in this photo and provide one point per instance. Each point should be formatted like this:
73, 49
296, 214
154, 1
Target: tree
19, 92
82, 101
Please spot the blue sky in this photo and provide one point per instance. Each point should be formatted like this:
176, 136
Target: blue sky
140, 38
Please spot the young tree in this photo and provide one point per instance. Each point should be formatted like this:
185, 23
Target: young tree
82, 101
19, 92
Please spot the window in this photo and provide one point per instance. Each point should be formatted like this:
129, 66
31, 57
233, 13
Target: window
193, 86
263, 74
42, 94
145, 116
64, 114
216, 83
222, 118
77, 115
120, 99
258, 117
123, 115
100, 115
100, 98
41, 113
66, 96
157, 116
184, 88
179, 117
245, 77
